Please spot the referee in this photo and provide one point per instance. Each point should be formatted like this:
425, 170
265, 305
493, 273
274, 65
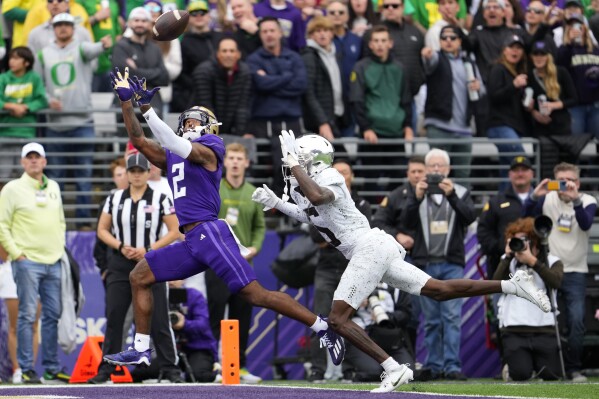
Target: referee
130, 226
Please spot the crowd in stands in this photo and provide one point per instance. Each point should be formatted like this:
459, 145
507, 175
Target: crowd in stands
381, 69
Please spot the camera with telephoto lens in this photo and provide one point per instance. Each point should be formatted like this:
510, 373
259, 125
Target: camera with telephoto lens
433, 180
517, 244
378, 313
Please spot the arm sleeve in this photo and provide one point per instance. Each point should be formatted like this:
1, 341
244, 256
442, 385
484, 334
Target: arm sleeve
552, 277
357, 98
293, 211
166, 136
503, 269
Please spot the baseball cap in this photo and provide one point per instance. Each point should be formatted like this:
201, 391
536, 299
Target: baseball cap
198, 5
513, 39
520, 161
33, 147
453, 29
575, 17
64, 17
500, 3
539, 48
139, 13
575, 3
138, 160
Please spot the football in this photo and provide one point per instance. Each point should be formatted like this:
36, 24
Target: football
170, 25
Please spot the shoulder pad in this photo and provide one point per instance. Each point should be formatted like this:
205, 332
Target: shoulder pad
329, 177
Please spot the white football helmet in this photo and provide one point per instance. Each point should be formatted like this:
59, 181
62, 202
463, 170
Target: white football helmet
315, 153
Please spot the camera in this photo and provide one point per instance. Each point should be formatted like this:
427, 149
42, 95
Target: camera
379, 315
556, 185
517, 244
177, 297
433, 181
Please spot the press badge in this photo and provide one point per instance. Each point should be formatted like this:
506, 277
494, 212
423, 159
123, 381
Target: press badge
439, 227
564, 223
40, 198
232, 216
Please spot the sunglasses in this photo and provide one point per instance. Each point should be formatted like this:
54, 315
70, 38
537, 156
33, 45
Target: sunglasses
58, 1
198, 12
340, 12
451, 38
155, 8
395, 6
537, 11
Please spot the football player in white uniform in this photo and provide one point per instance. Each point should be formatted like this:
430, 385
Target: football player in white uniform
324, 201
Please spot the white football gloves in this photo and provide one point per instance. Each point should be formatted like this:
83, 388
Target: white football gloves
288, 148
265, 196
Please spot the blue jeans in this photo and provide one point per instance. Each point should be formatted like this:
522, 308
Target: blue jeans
35, 279
442, 327
83, 171
585, 119
573, 291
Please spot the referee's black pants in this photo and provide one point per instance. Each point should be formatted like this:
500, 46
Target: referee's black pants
118, 300
218, 297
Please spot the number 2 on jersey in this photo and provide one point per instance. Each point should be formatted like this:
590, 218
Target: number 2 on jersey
178, 172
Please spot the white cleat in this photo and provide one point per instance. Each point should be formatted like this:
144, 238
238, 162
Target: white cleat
526, 288
394, 378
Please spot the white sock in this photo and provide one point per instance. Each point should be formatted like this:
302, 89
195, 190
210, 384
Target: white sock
142, 342
319, 325
507, 287
390, 364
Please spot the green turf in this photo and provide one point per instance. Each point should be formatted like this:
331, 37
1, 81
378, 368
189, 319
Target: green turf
481, 387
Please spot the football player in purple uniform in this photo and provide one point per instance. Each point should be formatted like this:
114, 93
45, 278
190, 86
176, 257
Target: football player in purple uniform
193, 158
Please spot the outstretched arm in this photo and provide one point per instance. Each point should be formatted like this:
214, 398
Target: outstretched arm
152, 150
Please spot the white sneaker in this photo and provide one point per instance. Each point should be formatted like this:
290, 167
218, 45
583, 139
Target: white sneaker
394, 378
248, 378
526, 288
17, 376
578, 377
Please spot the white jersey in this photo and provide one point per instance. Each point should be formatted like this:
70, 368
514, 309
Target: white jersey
339, 222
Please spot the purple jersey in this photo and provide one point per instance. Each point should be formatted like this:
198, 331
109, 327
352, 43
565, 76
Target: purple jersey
195, 189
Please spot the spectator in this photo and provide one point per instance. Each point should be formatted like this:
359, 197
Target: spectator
308, 10
507, 81
126, 248
580, 57
25, 205
361, 16
142, 56
528, 335
572, 214
571, 7
246, 27
279, 77
247, 220
384, 316
440, 214
331, 265
514, 16
171, 54
407, 41
325, 102
15, 12
223, 84
104, 20
194, 333
501, 210
555, 93
41, 33
348, 46
290, 21
425, 14
382, 107
65, 67
449, 105
22, 94
537, 27
449, 11
198, 44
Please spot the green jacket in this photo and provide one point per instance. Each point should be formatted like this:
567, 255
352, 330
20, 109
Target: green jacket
380, 97
27, 89
243, 215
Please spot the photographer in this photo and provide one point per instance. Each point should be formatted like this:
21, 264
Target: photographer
384, 316
191, 323
439, 211
528, 335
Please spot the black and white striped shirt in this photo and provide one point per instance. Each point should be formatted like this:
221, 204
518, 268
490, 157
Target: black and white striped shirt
137, 224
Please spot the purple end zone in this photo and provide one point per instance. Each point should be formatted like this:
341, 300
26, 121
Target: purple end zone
190, 391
